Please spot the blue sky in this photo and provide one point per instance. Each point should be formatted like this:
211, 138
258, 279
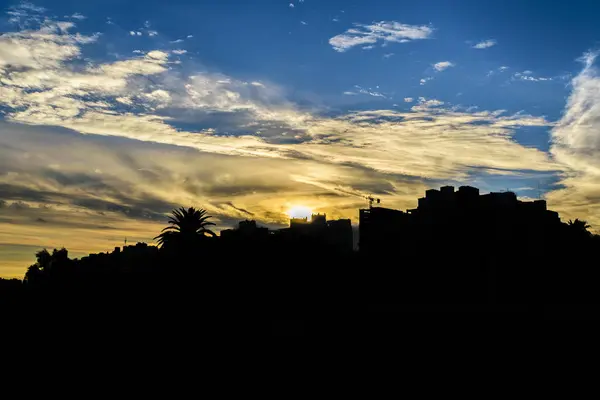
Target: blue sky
113, 112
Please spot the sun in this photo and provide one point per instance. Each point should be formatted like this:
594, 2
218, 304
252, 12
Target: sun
300, 212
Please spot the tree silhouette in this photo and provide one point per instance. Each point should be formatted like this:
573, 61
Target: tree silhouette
579, 227
44, 258
48, 265
187, 227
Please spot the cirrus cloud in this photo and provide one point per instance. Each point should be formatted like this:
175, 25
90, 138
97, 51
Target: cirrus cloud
383, 31
485, 44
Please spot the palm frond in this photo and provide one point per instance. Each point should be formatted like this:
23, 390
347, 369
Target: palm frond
186, 225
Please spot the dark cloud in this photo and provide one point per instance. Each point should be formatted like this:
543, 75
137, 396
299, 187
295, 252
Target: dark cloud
16, 193
152, 209
244, 211
216, 189
19, 206
81, 180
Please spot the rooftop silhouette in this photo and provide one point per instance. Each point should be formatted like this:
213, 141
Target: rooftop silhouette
458, 248
446, 215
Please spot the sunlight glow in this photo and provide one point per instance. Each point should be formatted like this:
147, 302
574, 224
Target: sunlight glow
300, 212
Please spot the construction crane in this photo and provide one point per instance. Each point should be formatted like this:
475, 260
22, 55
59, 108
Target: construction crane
372, 200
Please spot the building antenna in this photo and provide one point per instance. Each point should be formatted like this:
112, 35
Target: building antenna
125, 241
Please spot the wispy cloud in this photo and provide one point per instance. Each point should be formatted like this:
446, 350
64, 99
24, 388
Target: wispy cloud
61, 98
367, 91
424, 81
130, 147
576, 144
485, 44
497, 70
529, 76
384, 31
76, 16
25, 12
443, 65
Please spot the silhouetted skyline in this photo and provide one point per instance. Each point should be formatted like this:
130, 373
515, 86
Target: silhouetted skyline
113, 114
458, 250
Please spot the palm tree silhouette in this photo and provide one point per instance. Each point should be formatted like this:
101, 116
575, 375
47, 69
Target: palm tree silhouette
187, 227
579, 227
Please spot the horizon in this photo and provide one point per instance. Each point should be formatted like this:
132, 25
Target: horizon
354, 227
115, 113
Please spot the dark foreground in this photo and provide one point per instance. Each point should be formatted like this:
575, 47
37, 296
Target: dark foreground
247, 291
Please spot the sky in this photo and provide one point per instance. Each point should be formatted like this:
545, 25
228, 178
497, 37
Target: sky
112, 113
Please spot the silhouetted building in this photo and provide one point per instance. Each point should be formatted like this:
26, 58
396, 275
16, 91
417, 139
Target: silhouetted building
246, 230
340, 235
336, 235
379, 226
445, 217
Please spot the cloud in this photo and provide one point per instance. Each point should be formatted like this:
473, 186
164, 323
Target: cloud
368, 91
179, 52
263, 115
303, 23
485, 44
46, 47
117, 144
25, 12
443, 65
497, 70
25, 5
140, 184
134, 33
76, 16
388, 55
291, 5
383, 31
408, 99
576, 145
424, 81
152, 33
528, 76
425, 104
